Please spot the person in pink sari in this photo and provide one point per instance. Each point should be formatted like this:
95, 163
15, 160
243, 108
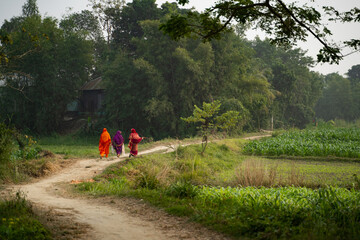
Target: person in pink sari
134, 140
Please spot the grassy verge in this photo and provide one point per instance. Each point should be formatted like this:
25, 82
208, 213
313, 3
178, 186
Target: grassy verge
88, 147
71, 146
224, 190
17, 220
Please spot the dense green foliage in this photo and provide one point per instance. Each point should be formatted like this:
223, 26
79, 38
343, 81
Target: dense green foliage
207, 188
340, 97
40, 81
336, 142
16, 152
17, 221
150, 80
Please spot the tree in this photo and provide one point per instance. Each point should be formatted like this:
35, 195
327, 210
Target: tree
354, 75
84, 23
183, 75
126, 23
105, 10
297, 88
286, 22
30, 8
336, 102
41, 83
209, 121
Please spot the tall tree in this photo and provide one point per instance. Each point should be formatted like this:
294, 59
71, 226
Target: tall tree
47, 77
84, 23
126, 23
30, 8
354, 74
354, 77
336, 102
298, 89
105, 10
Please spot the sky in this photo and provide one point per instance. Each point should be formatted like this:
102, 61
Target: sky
341, 32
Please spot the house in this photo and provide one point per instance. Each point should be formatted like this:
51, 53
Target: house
92, 97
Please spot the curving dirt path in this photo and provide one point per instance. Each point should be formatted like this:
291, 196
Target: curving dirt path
110, 218
106, 218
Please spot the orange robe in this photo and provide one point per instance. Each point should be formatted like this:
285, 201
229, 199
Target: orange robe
104, 143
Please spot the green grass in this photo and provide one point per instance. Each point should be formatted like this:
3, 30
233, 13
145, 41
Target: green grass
223, 189
71, 146
17, 220
88, 147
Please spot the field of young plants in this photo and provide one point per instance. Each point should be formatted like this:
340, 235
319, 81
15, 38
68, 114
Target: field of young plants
273, 213
335, 142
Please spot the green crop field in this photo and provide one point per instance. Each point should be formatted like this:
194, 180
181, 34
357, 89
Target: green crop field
336, 142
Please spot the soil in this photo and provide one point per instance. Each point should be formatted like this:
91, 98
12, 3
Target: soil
72, 216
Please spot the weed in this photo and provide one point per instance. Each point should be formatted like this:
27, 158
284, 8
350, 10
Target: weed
182, 189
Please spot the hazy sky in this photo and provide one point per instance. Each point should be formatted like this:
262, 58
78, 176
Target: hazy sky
59, 8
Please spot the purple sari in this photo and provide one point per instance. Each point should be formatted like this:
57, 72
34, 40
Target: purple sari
117, 142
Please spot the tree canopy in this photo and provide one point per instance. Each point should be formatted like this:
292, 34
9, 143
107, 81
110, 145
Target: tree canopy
286, 23
152, 81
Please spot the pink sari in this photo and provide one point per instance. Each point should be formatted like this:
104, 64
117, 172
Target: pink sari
134, 139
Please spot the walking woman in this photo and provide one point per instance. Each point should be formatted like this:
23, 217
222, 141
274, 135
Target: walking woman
117, 143
104, 143
134, 140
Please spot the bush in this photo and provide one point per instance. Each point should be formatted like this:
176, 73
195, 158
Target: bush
182, 189
6, 143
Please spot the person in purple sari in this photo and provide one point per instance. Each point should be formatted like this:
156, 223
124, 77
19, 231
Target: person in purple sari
118, 142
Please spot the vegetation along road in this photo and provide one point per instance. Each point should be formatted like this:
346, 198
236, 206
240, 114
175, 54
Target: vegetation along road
109, 219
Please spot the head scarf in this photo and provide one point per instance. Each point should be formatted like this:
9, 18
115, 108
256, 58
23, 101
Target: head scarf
118, 138
105, 136
133, 130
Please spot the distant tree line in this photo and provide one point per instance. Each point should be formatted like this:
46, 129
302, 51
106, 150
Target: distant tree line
152, 81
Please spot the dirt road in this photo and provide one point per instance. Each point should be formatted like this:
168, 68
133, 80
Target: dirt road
110, 219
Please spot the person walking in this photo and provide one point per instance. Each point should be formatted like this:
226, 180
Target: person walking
118, 142
104, 143
134, 140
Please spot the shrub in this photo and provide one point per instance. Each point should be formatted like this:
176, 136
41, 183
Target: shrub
182, 189
6, 143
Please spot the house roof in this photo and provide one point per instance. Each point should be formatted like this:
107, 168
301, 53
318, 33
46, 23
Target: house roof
95, 84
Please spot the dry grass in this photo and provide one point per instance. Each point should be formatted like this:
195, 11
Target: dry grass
256, 173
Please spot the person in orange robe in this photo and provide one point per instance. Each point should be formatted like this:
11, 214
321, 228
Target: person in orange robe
134, 140
104, 143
